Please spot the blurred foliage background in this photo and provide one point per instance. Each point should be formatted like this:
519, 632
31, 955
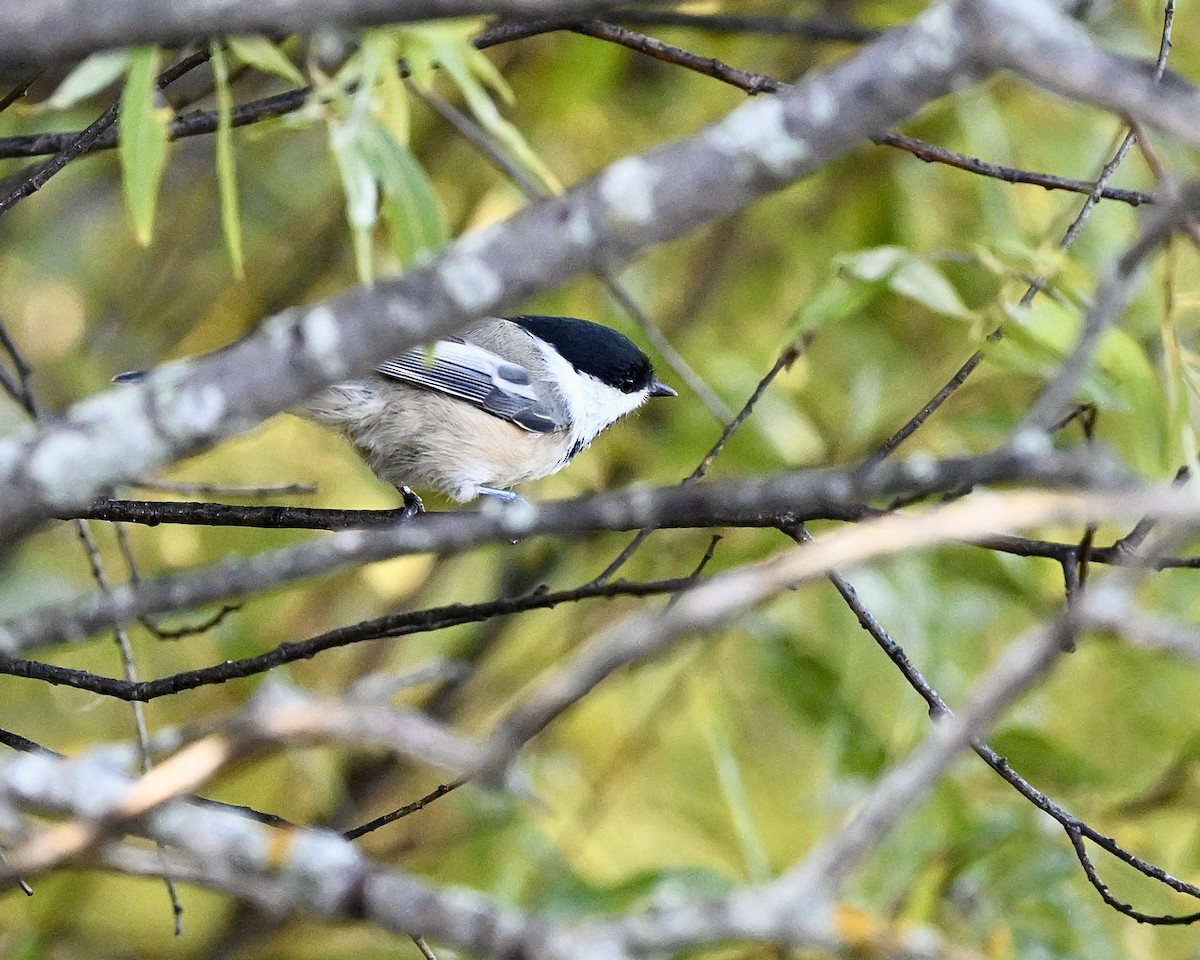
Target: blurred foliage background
727, 760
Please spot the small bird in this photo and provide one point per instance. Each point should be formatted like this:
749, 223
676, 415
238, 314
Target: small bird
510, 400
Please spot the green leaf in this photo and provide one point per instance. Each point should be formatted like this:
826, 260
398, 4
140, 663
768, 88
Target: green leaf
833, 302
359, 187
91, 76
1131, 375
367, 116
1122, 378
733, 787
410, 204
392, 101
907, 275
486, 71
231, 218
263, 55
451, 49
1051, 322
489, 117
145, 123
1022, 351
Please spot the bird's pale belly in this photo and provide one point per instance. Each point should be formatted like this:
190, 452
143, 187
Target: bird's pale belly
419, 439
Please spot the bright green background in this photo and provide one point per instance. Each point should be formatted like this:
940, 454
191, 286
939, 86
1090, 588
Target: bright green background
726, 760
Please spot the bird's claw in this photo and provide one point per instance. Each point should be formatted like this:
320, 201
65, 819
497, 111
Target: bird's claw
413, 504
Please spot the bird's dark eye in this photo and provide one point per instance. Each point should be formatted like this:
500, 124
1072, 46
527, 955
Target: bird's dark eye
634, 378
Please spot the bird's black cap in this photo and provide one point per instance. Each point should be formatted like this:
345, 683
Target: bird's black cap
597, 350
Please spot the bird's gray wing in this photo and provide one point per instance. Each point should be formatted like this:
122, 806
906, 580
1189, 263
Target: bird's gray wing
478, 376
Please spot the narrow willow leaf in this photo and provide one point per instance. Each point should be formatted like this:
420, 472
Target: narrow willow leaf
425, 43
362, 194
91, 76
834, 301
413, 210
920, 281
260, 53
231, 217
1122, 379
392, 107
462, 64
486, 71
1178, 387
908, 275
1125, 368
143, 141
733, 787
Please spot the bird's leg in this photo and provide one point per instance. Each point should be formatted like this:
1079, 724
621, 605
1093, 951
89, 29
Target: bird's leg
505, 496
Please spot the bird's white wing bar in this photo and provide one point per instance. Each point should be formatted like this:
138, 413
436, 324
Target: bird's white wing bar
477, 376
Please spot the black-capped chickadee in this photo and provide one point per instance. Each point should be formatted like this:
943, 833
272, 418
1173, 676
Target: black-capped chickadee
508, 401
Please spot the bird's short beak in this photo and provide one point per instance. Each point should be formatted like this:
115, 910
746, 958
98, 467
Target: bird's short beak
660, 389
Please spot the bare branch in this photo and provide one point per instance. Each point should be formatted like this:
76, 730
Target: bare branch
407, 810
392, 625
723, 598
797, 908
819, 28
1096, 192
932, 153
760, 146
303, 870
1109, 303
278, 715
319, 872
788, 497
1037, 41
784, 361
43, 33
80, 144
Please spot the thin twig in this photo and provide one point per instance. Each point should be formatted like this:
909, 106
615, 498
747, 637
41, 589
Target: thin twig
153, 626
819, 28
76, 148
129, 664
744, 80
14, 741
782, 362
28, 399
389, 626
86, 139
18, 90
20, 388
399, 813
955, 383
938, 709
269, 516
1106, 308
932, 153
219, 490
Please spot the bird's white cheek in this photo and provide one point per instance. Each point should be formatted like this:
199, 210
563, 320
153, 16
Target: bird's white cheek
591, 404
601, 406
